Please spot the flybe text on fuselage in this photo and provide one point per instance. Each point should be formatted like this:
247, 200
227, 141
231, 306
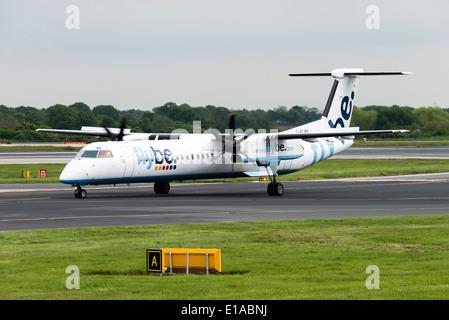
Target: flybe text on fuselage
271, 148
147, 156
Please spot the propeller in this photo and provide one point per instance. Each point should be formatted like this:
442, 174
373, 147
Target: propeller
230, 139
236, 141
234, 144
116, 136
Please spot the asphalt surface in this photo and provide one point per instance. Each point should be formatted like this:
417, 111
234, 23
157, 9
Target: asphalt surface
440, 152
54, 206
8, 157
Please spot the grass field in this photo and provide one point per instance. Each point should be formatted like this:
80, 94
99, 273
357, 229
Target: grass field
401, 143
300, 259
433, 141
329, 169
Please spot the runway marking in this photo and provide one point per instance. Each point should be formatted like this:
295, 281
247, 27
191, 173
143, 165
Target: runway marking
96, 200
149, 215
23, 199
377, 199
116, 216
142, 186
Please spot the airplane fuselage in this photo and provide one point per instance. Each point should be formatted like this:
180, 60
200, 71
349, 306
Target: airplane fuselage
193, 157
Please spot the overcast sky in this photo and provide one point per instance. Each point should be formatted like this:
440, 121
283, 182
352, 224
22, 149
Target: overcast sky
238, 54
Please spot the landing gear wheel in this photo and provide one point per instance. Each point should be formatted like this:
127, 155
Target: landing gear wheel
80, 193
270, 189
275, 189
279, 189
165, 188
161, 187
157, 188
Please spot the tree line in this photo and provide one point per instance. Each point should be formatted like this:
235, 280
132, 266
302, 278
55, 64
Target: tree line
19, 124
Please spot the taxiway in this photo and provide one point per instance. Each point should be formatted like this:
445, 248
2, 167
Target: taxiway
54, 206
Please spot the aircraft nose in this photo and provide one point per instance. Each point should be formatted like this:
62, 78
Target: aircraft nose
72, 173
65, 176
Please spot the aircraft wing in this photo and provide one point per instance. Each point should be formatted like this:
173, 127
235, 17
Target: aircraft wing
335, 133
101, 132
88, 131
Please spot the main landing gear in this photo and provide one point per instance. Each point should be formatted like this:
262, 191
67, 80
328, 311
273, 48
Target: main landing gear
274, 188
161, 187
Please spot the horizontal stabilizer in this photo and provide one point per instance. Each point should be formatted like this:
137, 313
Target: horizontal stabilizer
341, 73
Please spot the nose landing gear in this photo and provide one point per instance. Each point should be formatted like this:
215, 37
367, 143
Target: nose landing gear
80, 193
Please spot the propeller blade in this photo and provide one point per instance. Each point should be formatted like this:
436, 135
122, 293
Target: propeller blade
122, 130
114, 136
232, 122
110, 134
234, 146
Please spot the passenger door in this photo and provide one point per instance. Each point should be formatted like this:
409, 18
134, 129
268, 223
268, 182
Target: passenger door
127, 162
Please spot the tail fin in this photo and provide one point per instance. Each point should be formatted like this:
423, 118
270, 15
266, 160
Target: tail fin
339, 106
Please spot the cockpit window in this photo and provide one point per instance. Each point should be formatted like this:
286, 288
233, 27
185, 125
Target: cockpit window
105, 154
89, 154
97, 154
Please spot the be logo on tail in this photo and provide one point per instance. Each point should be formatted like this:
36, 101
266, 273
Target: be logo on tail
346, 110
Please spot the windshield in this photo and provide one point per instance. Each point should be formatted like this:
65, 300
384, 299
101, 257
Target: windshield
97, 154
89, 154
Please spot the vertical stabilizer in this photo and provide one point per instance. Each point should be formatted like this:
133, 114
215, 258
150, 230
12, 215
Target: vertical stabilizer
339, 106
338, 110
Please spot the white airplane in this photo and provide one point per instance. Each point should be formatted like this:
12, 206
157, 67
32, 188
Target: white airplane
162, 158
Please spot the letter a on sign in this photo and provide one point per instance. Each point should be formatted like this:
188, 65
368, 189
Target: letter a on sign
154, 260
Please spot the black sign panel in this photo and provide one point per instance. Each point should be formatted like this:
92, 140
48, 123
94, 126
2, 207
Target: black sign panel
154, 260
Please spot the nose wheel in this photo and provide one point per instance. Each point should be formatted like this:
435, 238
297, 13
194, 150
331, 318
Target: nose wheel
80, 193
